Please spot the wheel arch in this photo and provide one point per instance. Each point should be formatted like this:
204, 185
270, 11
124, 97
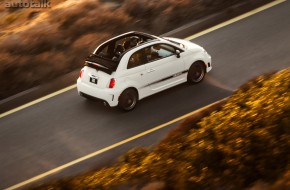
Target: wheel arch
131, 87
200, 61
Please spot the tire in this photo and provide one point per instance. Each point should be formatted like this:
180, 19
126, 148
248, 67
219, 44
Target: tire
128, 99
196, 73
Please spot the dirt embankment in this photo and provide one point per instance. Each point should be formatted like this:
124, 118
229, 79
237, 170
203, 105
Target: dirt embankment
241, 143
39, 45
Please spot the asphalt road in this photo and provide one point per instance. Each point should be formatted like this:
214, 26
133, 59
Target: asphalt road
66, 127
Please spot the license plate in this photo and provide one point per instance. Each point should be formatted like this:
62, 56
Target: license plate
93, 80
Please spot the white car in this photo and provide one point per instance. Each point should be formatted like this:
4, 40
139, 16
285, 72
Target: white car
134, 65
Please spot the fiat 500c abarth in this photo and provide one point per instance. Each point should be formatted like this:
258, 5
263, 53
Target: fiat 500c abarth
135, 65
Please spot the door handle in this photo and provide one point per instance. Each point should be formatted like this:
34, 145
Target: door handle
150, 70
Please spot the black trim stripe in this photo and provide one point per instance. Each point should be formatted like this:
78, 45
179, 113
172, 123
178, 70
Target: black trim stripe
167, 78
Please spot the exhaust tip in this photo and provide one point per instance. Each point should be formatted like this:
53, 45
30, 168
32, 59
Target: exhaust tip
105, 103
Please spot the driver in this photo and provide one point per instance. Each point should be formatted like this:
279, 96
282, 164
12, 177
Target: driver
134, 41
131, 42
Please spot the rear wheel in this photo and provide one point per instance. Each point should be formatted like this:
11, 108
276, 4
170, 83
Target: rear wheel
196, 73
128, 99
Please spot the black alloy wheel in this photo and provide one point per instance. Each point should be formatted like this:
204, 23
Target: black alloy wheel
128, 100
196, 73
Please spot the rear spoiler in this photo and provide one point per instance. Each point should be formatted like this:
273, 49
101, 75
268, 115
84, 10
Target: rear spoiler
98, 67
100, 63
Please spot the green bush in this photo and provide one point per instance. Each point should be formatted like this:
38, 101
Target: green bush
245, 141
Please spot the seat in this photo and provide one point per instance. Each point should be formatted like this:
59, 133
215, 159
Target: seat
119, 49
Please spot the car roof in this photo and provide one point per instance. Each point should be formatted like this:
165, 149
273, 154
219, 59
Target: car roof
129, 34
153, 38
112, 64
136, 33
149, 38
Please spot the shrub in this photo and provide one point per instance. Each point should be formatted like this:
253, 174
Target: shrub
244, 141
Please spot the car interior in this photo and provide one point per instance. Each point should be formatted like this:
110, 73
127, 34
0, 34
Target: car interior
114, 49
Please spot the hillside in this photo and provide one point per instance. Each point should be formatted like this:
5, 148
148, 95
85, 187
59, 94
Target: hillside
245, 141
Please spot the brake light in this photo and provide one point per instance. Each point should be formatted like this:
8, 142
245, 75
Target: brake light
112, 83
81, 73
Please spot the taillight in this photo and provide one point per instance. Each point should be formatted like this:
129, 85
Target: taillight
112, 83
81, 73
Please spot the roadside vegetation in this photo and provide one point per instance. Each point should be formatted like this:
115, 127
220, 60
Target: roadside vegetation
242, 143
37, 45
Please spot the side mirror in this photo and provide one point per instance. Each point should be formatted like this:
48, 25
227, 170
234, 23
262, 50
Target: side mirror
177, 52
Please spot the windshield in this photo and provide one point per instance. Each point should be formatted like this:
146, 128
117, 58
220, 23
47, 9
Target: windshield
177, 43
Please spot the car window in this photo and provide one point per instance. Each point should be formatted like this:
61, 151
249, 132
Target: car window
149, 54
136, 59
160, 51
163, 50
141, 57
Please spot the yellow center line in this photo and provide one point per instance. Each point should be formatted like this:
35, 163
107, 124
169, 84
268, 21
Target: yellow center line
267, 6
108, 148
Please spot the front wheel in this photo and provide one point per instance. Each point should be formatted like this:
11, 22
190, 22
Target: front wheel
128, 100
196, 73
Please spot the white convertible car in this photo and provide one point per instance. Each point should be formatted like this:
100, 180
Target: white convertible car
134, 65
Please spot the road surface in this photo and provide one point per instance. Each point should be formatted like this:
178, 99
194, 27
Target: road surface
66, 127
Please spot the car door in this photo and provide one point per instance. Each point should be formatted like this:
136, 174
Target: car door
134, 74
164, 66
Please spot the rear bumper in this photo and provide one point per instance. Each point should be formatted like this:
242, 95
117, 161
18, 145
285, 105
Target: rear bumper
109, 96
